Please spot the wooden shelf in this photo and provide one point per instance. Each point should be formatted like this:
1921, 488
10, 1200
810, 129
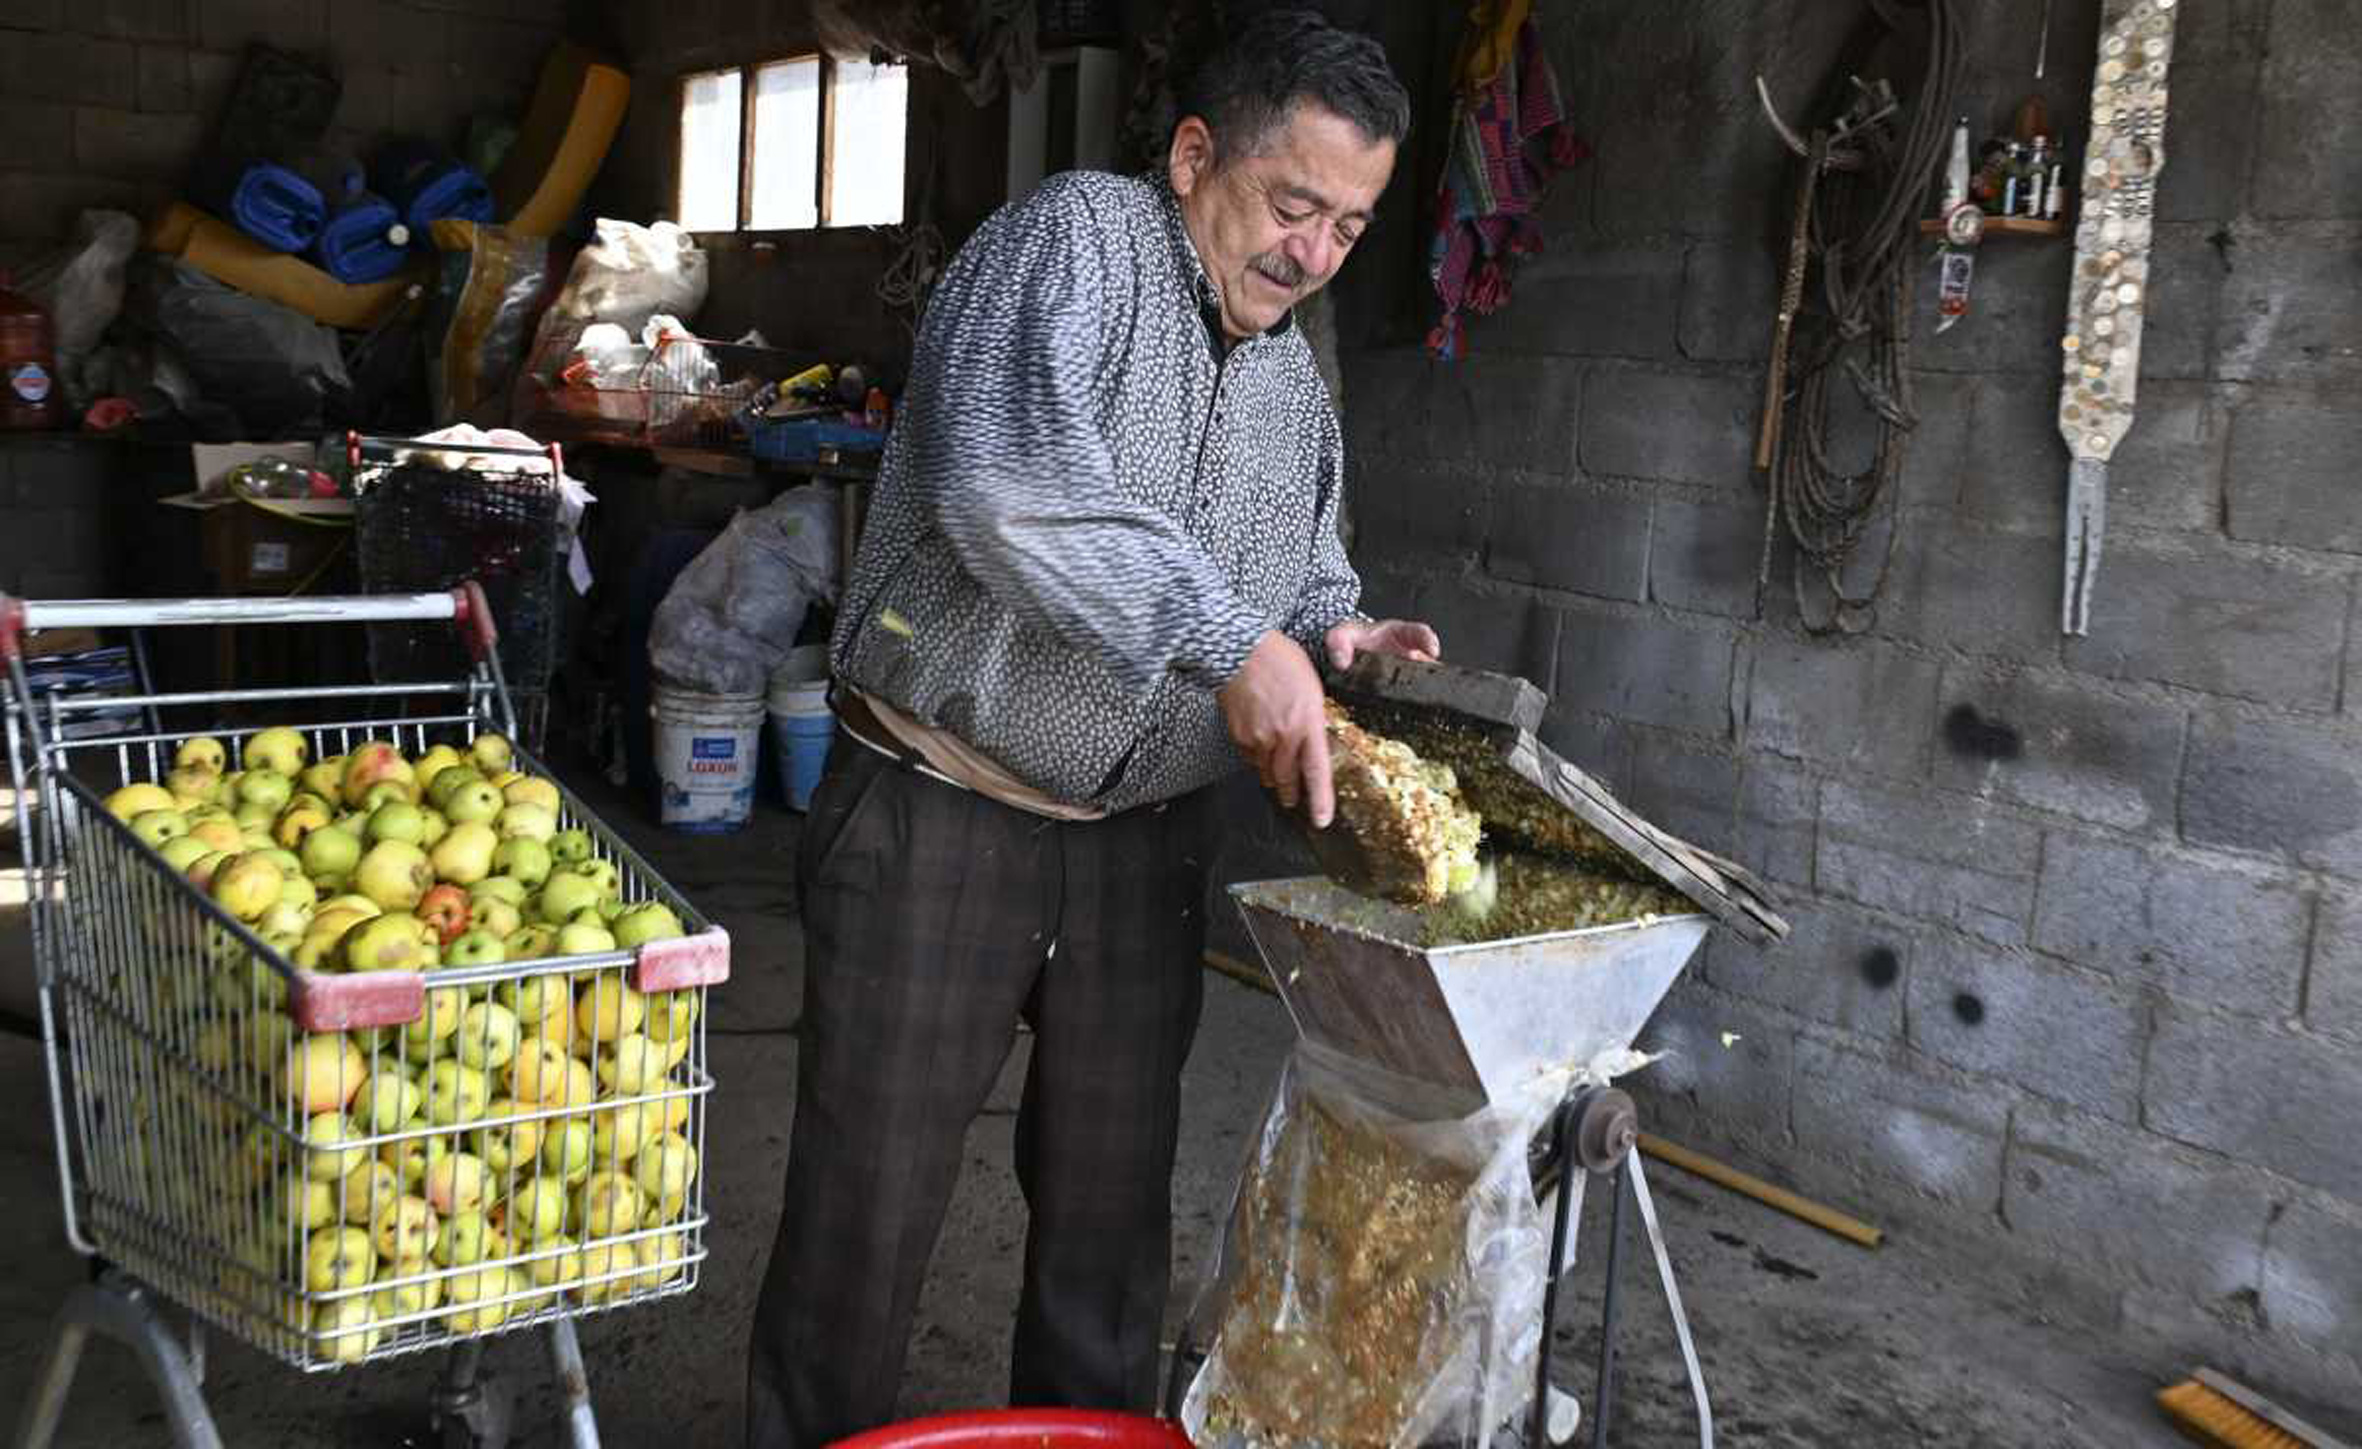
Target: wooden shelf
2007, 226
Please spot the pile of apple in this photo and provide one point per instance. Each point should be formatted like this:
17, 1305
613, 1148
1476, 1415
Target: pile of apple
369, 861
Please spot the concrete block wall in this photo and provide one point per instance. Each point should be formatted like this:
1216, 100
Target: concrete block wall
2074, 982
108, 101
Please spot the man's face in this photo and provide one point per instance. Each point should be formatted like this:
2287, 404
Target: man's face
1273, 226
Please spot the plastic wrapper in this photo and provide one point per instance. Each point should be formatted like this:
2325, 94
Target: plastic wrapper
278, 371
82, 287
735, 610
1379, 1281
486, 305
630, 273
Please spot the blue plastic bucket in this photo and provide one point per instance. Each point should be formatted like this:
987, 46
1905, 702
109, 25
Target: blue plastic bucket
707, 749
801, 724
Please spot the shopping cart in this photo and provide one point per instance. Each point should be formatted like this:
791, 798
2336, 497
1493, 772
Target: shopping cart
192, 1064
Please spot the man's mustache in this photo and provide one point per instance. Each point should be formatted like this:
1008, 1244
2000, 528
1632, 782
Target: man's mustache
1280, 268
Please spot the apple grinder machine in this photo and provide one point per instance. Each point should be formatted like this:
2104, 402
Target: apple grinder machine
1474, 1022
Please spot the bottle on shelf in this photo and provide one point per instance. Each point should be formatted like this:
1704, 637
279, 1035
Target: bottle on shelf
2037, 176
2013, 180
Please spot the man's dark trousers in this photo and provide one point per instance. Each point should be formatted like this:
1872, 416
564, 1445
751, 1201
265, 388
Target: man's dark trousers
934, 919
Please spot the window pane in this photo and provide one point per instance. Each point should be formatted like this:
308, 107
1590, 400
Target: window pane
787, 146
709, 151
872, 105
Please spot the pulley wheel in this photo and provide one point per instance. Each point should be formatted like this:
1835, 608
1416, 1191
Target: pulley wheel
1605, 1130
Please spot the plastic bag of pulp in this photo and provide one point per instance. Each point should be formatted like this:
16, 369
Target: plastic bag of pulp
1379, 1281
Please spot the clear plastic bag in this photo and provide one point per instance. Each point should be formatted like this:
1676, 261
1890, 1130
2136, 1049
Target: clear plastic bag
82, 287
735, 611
1379, 1281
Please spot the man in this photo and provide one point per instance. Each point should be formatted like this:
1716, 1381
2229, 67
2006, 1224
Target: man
1103, 541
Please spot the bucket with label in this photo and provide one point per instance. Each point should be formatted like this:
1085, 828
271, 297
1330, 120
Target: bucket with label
801, 724
707, 754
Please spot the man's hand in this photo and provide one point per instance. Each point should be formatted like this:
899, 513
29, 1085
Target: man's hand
1386, 636
1272, 707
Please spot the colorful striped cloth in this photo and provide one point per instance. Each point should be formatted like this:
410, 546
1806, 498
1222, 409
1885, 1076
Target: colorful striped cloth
1509, 138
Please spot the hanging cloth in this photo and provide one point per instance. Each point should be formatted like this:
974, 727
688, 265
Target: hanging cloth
1509, 138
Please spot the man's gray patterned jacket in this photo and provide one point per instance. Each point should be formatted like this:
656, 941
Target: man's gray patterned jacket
1088, 512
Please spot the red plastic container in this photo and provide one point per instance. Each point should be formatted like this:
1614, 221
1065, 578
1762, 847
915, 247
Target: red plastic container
1025, 1429
28, 362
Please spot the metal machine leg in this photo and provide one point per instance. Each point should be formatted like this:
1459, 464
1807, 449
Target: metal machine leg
117, 1307
471, 1409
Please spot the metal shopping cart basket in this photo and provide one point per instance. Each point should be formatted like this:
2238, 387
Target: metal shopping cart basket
342, 1166
429, 516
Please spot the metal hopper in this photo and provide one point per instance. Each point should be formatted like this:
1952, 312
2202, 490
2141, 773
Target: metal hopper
1477, 1020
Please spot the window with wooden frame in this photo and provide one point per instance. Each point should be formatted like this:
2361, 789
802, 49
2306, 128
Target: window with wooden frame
792, 145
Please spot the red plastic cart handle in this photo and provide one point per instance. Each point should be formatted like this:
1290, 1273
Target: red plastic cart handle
472, 616
1025, 1429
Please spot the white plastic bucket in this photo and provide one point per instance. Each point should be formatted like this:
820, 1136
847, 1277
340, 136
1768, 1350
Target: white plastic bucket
707, 754
801, 724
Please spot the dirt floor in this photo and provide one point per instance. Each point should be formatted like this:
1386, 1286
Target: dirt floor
1807, 1341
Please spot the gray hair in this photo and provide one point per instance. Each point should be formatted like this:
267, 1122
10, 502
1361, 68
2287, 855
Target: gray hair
1246, 86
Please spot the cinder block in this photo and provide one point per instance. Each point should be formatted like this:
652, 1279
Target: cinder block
1682, 787
1865, 707
1502, 412
1408, 509
1943, 858
44, 205
1730, 291
1646, 670
1563, 536
49, 66
2212, 617
2290, 475
2290, 310
32, 14
289, 24
2207, 931
1838, 966
2187, 276
164, 78
1503, 631
2285, 1100
37, 118
1685, 427
2310, 1283
2277, 787
1745, 1082
1973, 590
136, 143
1779, 814
2168, 471
1894, 1116
2016, 469
388, 35
2333, 988
133, 19
2308, 92
2060, 1034
1600, 747
2213, 153
2071, 1176
1704, 557
2055, 743
2016, 304
59, 474
1590, 301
